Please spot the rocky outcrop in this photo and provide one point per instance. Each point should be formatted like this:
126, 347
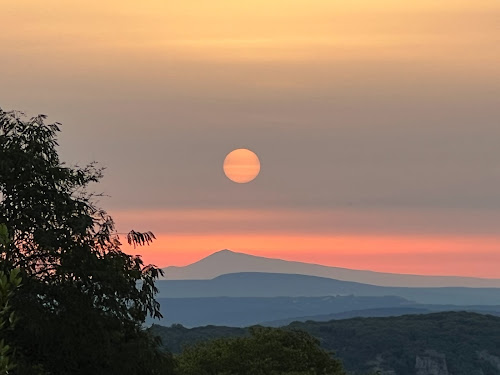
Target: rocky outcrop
492, 359
377, 367
431, 363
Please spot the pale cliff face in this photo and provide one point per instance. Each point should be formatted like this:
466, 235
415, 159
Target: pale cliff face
431, 363
435, 363
491, 359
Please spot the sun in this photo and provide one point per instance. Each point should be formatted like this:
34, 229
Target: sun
241, 166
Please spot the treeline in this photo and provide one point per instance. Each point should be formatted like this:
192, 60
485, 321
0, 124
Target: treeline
460, 336
470, 342
264, 351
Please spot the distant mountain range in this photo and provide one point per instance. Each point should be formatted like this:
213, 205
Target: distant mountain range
386, 312
226, 261
241, 312
236, 289
280, 311
248, 298
258, 284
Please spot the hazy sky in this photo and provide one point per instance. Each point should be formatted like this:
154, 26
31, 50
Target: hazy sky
377, 123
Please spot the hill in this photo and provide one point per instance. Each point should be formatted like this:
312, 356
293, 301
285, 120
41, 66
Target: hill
254, 284
385, 312
280, 311
241, 312
457, 343
226, 261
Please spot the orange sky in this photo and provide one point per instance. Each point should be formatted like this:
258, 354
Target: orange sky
445, 255
346, 239
120, 32
376, 123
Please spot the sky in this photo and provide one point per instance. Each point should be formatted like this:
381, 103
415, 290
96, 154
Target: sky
377, 123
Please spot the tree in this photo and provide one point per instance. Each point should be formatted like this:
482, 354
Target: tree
268, 351
8, 284
83, 300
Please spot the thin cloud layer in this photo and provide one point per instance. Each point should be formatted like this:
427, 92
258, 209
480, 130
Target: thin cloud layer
377, 117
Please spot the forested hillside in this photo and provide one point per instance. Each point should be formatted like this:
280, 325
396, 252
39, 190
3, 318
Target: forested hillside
458, 343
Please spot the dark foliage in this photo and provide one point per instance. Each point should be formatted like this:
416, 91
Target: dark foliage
8, 319
468, 340
460, 336
176, 337
83, 300
267, 351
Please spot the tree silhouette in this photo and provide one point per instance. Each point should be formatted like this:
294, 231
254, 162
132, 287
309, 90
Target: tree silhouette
83, 300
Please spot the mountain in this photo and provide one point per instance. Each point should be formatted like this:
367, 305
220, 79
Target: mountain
280, 311
241, 312
457, 343
365, 313
226, 261
386, 312
256, 284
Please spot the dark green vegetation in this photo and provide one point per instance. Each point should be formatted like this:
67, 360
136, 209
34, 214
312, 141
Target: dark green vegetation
176, 338
467, 343
8, 319
82, 301
461, 337
266, 351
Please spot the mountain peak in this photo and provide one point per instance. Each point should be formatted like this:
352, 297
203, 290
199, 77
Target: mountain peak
222, 257
227, 261
223, 251
220, 254
227, 254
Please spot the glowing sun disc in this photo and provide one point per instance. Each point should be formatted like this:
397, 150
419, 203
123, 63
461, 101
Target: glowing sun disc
241, 166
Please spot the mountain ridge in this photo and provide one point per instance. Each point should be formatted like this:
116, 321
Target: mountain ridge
228, 261
265, 284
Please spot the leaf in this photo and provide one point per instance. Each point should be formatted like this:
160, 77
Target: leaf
4, 235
